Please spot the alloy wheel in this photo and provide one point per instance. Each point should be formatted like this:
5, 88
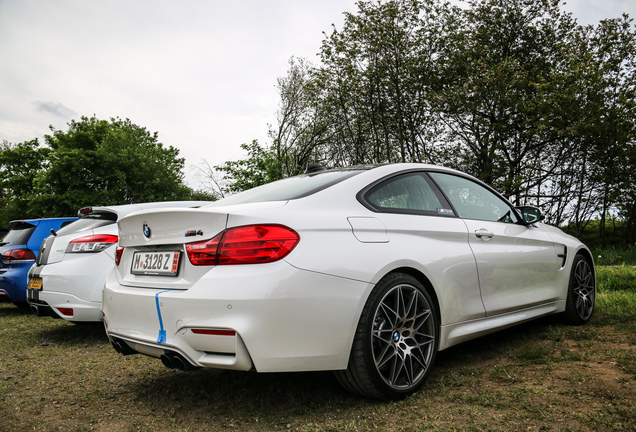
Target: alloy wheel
403, 337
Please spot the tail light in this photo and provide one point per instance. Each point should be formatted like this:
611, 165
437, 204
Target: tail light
91, 243
252, 244
66, 311
18, 255
118, 253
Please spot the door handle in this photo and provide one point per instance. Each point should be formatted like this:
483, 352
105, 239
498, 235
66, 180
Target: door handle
484, 234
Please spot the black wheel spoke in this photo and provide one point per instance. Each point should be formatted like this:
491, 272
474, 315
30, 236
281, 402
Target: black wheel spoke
583, 291
403, 337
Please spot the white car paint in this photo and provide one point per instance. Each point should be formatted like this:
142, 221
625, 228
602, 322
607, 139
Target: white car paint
73, 282
301, 313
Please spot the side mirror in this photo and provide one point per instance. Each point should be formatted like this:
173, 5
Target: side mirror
530, 214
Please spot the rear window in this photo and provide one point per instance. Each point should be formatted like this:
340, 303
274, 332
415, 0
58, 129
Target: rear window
289, 188
89, 222
19, 236
409, 193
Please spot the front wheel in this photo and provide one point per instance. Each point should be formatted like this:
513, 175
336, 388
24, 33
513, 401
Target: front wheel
396, 340
579, 305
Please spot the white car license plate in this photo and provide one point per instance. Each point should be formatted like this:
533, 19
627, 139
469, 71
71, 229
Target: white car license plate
35, 283
164, 263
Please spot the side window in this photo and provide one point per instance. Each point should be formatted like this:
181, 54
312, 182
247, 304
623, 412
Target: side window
410, 193
473, 201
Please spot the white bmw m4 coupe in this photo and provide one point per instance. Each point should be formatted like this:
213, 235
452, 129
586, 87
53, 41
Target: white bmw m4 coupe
366, 271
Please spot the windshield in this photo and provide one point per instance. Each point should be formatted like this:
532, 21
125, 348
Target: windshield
18, 236
289, 188
89, 221
83, 225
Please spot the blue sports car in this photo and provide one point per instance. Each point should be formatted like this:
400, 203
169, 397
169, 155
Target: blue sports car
18, 251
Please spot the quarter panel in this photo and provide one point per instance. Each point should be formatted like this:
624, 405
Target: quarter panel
437, 247
81, 274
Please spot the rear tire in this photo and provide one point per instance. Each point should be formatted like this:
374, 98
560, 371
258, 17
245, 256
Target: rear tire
396, 340
579, 306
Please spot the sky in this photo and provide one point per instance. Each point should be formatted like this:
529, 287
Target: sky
201, 73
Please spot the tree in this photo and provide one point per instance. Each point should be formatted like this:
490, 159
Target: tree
296, 140
260, 167
19, 166
509, 91
300, 133
375, 80
99, 162
611, 126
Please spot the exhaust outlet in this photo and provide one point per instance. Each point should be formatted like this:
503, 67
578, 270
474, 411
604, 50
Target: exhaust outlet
173, 360
167, 361
122, 347
40, 310
180, 363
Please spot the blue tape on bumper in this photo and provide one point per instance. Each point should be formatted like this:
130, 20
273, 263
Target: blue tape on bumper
162, 333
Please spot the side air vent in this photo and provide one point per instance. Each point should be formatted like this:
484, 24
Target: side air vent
564, 256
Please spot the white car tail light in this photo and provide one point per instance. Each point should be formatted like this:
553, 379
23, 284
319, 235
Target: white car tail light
91, 243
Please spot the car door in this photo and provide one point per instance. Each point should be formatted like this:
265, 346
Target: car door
421, 226
517, 263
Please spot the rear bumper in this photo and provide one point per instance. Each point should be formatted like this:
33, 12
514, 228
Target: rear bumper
13, 281
82, 311
270, 317
75, 283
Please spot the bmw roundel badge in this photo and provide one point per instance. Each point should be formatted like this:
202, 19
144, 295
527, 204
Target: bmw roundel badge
146, 229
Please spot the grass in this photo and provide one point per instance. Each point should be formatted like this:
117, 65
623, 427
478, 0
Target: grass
615, 256
540, 376
617, 278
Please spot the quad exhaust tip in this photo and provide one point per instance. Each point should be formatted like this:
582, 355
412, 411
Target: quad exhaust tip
173, 360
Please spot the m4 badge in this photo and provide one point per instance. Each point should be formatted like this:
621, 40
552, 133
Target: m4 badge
193, 233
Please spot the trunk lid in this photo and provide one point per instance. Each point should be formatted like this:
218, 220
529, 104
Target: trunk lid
166, 231
170, 226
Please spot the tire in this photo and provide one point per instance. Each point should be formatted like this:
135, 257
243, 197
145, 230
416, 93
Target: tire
579, 305
396, 340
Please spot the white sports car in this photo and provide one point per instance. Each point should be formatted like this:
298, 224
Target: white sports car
68, 277
365, 271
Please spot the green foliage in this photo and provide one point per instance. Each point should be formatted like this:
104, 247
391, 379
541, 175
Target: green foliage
95, 162
261, 166
300, 132
616, 278
506, 92
374, 83
19, 166
615, 256
200, 195
605, 238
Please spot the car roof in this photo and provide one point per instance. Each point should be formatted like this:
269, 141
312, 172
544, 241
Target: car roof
24, 223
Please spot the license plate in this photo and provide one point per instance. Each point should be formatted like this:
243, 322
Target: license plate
158, 263
35, 283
